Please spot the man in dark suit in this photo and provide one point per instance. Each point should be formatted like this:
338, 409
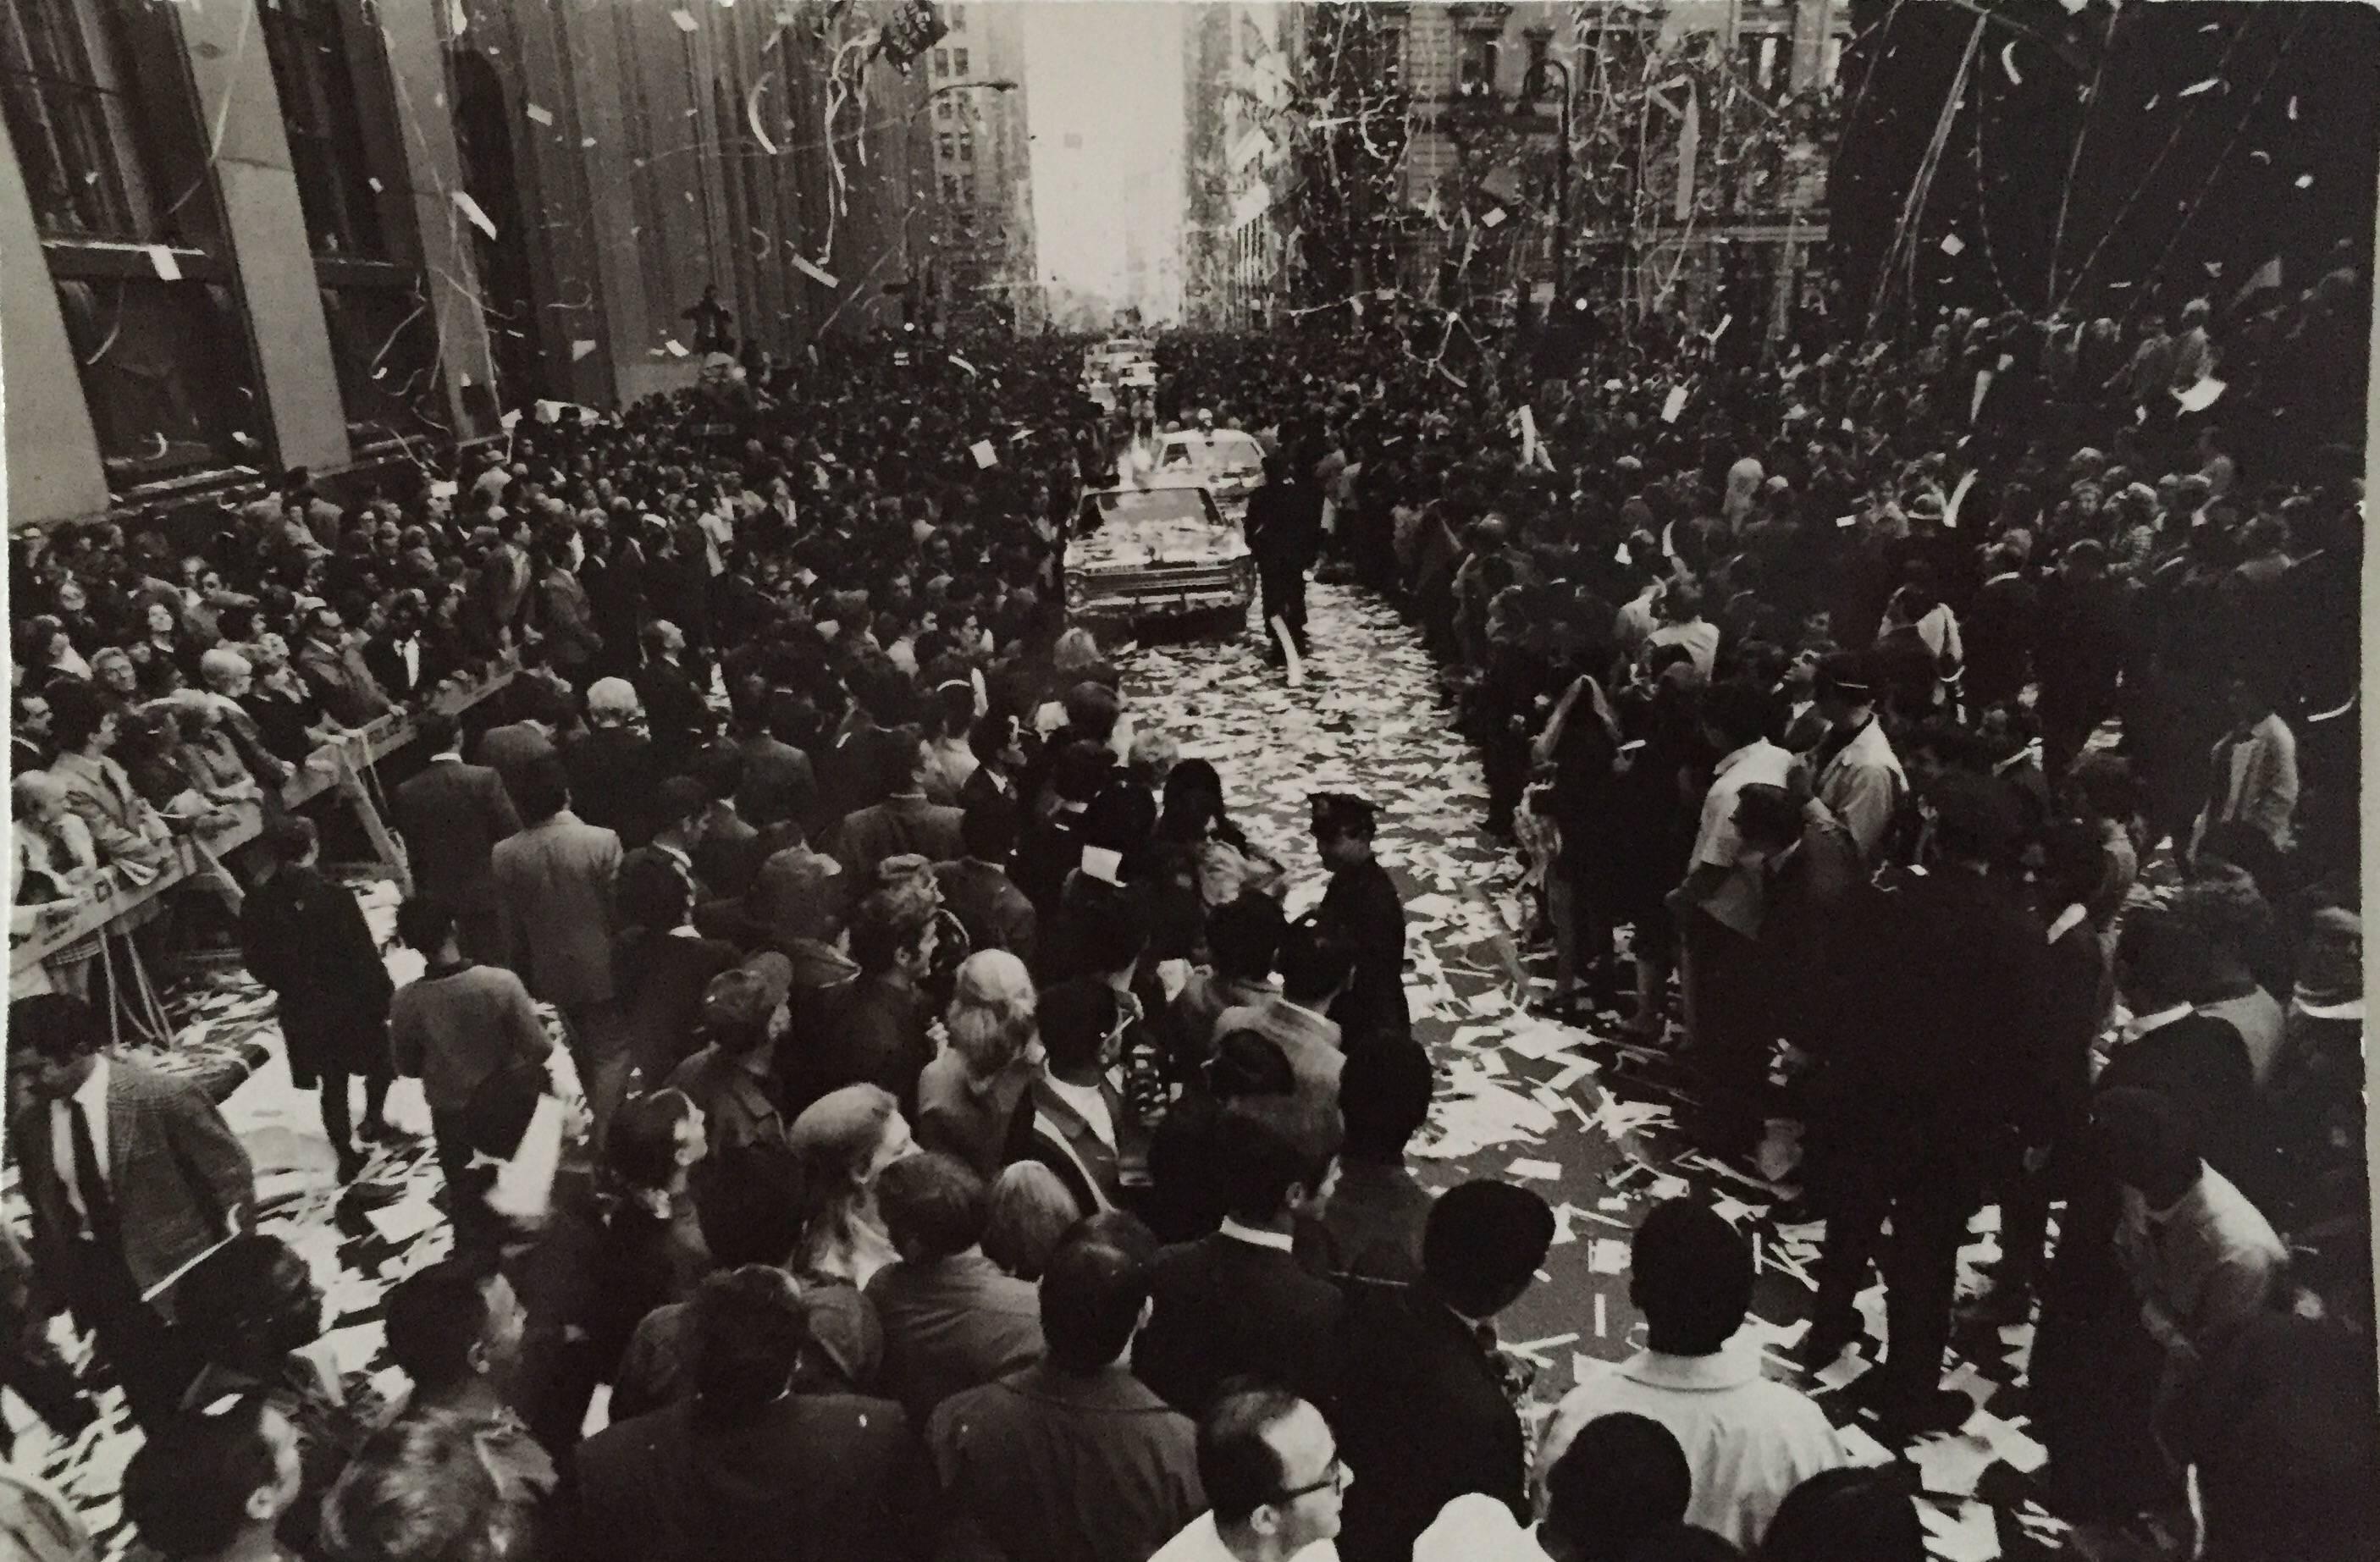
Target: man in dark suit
1362, 909
1073, 1459
554, 896
132, 1177
872, 1029
1941, 1085
1999, 631
1048, 850
304, 937
1079, 1125
779, 781
676, 712
1284, 532
1237, 1301
1426, 1413
953, 1319
977, 888
904, 823
539, 709
616, 773
744, 1467
400, 657
450, 816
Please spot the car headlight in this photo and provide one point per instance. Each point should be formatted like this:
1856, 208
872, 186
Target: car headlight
1075, 590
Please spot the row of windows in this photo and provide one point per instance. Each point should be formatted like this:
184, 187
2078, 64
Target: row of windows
960, 147
113, 152
958, 190
951, 61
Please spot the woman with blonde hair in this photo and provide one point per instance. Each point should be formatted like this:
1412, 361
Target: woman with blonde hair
969, 1097
843, 1141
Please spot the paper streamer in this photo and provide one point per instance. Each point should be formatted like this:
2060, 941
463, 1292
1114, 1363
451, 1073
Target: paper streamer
1958, 497
823, 278
471, 209
1289, 652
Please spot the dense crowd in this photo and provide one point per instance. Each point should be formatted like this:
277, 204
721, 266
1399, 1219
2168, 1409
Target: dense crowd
978, 1162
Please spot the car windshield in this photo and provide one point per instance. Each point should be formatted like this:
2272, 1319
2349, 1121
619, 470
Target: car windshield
1222, 452
1132, 506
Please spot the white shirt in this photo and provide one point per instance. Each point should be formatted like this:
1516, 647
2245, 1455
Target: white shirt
1759, 761
1475, 1527
1255, 1238
1199, 1542
1748, 1441
91, 1096
1863, 785
1091, 1103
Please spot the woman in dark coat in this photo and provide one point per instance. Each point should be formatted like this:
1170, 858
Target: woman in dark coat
1656, 800
304, 937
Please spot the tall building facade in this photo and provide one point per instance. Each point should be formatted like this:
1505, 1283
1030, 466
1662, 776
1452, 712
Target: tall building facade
232, 227
335, 233
1695, 174
985, 268
1240, 89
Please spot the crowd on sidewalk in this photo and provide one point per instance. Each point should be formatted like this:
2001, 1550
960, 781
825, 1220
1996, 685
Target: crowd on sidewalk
916, 992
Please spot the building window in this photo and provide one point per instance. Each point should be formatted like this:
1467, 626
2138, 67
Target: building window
956, 16
958, 62
944, 109
74, 108
384, 347
1540, 42
947, 145
164, 372
951, 189
1476, 77
309, 50
966, 189
1763, 62
942, 62
967, 146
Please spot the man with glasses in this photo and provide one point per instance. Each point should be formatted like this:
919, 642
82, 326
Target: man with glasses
1274, 1480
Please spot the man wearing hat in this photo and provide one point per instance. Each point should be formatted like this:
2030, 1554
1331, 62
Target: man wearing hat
743, 1013
1361, 909
1859, 778
1940, 1092
1426, 1407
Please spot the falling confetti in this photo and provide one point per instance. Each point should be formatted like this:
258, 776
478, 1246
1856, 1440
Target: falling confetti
163, 260
580, 349
542, 116
2305, 181
471, 209
675, 348
1494, 219
2293, 107
1952, 245
2197, 87
816, 273
2008, 62
684, 19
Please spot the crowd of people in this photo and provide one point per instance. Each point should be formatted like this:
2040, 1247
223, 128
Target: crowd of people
979, 1162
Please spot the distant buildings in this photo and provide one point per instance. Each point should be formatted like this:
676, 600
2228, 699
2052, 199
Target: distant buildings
985, 271
1239, 89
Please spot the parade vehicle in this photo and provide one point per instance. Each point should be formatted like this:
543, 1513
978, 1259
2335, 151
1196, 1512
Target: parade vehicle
1139, 553
1226, 461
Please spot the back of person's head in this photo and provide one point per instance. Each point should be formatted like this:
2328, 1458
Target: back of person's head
988, 830
1622, 1479
990, 1017
440, 732
1740, 713
1249, 1063
200, 1479
1273, 1146
1243, 934
1315, 963
1768, 817
934, 1205
1114, 924
424, 924
436, 1317
1093, 709
885, 926
1682, 1542
544, 789
1384, 1092
290, 837
421, 1490
749, 1334
1238, 1465
1691, 1275
252, 1300
1093, 1292
896, 759
1080, 770
991, 737
1482, 1245
1077, 1018
2072, 863
641, 1148
1030, 1212
748, 1200
2159, 958
1862, 1512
